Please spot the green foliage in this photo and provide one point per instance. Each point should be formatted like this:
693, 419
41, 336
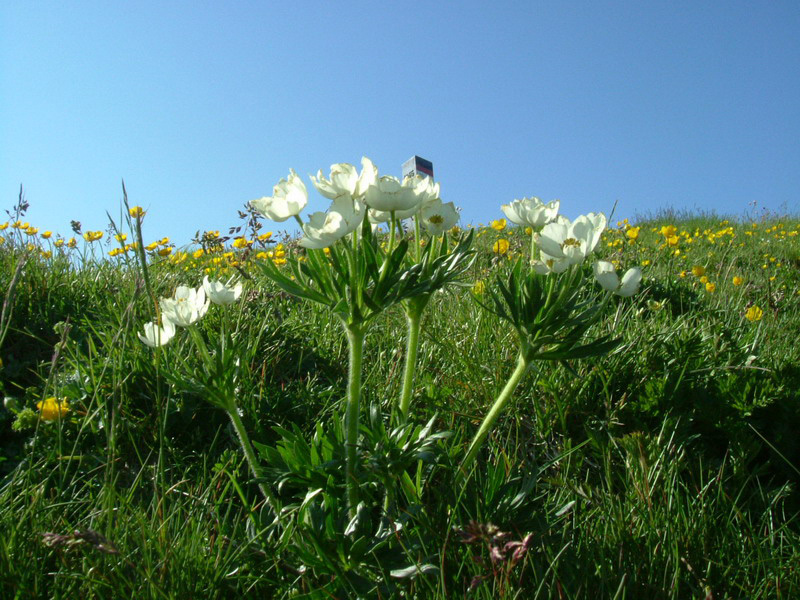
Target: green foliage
665, 468
367, 553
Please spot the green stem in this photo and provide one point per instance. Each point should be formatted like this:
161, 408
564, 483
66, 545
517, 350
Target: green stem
355, 342
137, 231
414, 319
417, 236
250, 455
392, 233
494, 412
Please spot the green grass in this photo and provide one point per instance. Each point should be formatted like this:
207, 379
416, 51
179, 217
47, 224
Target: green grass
665, 469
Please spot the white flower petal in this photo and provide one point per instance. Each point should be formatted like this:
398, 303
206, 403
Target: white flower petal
606, 276
289, 198
630, 282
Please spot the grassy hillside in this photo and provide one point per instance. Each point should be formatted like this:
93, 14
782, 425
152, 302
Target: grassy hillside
663, 467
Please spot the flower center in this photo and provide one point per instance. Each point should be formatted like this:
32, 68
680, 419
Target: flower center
437, 219
571, 242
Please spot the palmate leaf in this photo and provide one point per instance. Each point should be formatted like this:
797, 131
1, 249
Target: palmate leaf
446, 267
317, 269
569, 351
293, 287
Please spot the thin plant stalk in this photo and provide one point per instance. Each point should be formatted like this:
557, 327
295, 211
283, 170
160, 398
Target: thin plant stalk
137, 230
494, 412
233, 413
252, 461
414, 309
355, 343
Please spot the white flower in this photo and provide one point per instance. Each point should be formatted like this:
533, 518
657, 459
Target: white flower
425, 188
222, 293
389, 194
343, 181
369, 175
324, 228
437, 217
426, 192
186, 307
574, 241
289, 197
531, 212
607, 277
155, 336
547, 264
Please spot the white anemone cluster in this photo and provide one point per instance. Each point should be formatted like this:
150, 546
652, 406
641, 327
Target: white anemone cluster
564, 243
186, 307
531, 212
355, 196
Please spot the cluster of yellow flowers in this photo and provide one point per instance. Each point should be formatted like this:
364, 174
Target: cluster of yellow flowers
53, 408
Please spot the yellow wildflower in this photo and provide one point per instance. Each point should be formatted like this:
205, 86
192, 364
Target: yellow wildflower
92, 236
633, 233
198, 253
711, 287
738, 280
698, 270
136, 212
500, 246
668, 231
478, 288
52, 408
46, 235
499, 224
753, 314
166, 251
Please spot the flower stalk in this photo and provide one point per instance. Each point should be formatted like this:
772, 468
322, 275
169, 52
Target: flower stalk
494, 412
250, 455
414, 309
355, 343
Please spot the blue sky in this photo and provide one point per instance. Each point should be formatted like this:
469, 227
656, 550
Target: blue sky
201, 106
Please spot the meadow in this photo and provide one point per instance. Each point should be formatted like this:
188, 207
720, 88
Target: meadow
400, 414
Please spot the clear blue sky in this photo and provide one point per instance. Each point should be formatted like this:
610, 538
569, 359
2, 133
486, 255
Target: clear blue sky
201, 106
